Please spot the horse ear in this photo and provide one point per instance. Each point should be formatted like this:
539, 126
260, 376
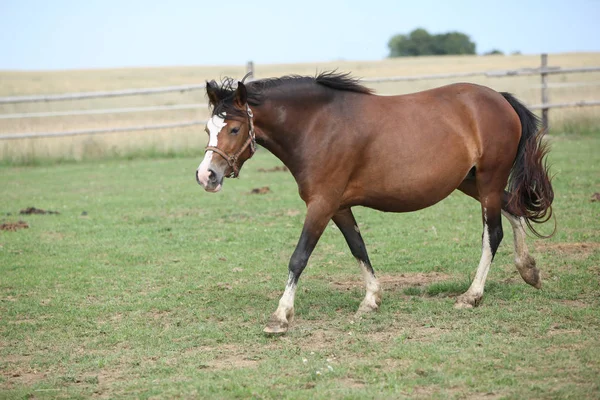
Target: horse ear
211, 92
241, 96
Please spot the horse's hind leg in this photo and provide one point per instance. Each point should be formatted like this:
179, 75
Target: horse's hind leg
524, 262
491, 207
344, 219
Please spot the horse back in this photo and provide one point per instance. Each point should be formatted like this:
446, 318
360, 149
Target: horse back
426, 142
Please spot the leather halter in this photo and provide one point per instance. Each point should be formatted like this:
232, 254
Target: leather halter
232, 160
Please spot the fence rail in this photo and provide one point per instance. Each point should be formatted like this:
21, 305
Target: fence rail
543, 71
96, 95
583, 103
102, 111
187, 88
185, 124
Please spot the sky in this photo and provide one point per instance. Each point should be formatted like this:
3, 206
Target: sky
85, 34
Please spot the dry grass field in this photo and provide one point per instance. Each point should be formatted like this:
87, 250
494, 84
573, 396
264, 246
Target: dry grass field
16, 83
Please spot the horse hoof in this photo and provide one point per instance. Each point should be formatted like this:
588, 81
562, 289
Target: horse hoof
530, 274
467, 301
461, 305
532, 277
275, 326
275, 330
366, 309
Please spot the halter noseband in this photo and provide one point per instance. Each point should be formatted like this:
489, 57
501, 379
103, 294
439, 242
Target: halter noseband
232, 160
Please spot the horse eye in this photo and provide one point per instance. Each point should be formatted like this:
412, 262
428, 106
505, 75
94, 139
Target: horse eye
235, 131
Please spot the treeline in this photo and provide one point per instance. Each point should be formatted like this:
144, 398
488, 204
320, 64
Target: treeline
421, 43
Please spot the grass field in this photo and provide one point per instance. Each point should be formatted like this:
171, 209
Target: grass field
145, 286
14, 83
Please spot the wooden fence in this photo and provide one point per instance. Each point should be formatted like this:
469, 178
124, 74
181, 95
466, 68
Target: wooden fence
544, 70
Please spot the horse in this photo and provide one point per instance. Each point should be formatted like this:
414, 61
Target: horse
347, 147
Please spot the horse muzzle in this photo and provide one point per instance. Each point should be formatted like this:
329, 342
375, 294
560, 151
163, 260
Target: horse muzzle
209, 179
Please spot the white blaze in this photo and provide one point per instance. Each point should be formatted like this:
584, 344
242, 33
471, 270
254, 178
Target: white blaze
214, 126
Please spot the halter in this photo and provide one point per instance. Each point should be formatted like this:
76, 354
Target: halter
232, 161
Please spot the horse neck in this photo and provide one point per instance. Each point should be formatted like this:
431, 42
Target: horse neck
281, 125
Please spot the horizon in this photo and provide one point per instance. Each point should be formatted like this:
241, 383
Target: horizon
290, 63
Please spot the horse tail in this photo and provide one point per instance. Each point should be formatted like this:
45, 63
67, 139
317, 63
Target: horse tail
529, 185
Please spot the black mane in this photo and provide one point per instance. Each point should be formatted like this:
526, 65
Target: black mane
256, 89
341, 81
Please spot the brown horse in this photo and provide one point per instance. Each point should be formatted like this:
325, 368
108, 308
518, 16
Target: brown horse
347, 147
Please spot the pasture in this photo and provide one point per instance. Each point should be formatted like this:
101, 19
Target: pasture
563, 88
146, 286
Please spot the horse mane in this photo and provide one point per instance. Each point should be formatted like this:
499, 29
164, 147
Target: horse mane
256, 90
341, 81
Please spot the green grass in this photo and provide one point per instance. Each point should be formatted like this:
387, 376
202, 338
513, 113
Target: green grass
162, 290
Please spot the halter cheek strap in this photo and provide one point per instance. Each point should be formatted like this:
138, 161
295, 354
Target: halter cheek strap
232, 160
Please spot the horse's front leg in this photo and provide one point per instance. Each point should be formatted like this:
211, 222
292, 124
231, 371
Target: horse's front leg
344, 219
317, 216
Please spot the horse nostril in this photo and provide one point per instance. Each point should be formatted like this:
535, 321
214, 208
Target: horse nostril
212, 176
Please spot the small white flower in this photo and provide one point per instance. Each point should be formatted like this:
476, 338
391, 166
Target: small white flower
304, 360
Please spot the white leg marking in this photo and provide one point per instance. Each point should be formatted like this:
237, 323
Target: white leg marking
521, 251
524, 262
484, 264
214, 126
473, 295
285, 310
373, 297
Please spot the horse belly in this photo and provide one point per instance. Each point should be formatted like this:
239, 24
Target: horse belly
405, 198
410, 183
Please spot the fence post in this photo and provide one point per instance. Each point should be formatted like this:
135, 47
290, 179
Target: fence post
250, 71
545, 100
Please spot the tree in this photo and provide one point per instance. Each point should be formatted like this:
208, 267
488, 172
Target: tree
419, 43
493, 53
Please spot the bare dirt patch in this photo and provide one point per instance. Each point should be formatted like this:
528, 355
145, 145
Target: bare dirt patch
559, 331
16, 358
33, 210
261, 190
315, 340
279, 168
13, 226
395, 282
227, 356
17, 372
351, 383
574, 303
577, 250
233, 362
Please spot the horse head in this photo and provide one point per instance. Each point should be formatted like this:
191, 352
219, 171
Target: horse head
231, 138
